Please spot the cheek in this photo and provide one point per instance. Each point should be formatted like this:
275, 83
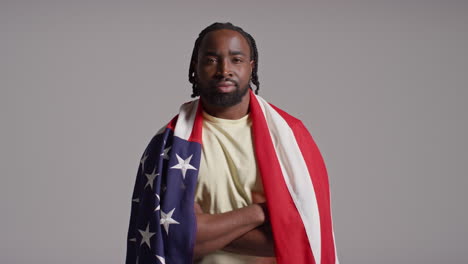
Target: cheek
245, 75
206, 71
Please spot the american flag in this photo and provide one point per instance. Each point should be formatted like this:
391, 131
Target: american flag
162, 222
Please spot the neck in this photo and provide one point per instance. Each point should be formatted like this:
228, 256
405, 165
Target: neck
232, 112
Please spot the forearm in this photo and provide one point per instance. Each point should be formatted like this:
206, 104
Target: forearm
257, 242
216, 231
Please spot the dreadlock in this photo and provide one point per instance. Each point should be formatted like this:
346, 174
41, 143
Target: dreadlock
218, 26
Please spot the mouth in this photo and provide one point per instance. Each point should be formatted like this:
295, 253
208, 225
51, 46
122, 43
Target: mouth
225, 86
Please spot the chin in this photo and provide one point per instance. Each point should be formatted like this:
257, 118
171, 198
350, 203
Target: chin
225, 99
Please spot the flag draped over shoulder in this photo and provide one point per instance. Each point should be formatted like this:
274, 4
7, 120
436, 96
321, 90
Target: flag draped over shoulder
162, 222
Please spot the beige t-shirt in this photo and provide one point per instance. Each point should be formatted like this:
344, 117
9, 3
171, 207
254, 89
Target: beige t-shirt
228, 173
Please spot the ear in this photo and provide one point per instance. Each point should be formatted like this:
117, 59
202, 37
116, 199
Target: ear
252, 66
194, 65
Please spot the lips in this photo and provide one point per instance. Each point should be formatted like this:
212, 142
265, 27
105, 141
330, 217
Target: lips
225, 86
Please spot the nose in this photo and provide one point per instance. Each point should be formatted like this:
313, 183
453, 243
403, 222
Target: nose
224, 68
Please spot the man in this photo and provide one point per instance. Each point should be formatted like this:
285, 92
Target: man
231, 179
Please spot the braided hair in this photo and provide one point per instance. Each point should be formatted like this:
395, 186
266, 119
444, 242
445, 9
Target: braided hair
218, 26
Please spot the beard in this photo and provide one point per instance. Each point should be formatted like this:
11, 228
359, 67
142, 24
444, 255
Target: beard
213, 97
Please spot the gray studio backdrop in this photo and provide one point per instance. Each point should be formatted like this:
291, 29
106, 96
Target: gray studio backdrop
382, 86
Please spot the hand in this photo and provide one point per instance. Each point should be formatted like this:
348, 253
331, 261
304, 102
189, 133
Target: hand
259, 198
198, 209
216, 231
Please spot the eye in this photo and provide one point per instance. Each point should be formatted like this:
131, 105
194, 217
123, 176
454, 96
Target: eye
237, 60
210, 60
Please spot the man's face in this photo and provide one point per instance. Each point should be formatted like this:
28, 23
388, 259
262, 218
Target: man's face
223, 68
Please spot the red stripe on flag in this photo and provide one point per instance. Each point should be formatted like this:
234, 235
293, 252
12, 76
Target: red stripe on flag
319, 177
196, 135
291, 241
171, 125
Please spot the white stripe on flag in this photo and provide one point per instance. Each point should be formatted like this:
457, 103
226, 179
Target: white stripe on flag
334, 244
296, 175
184, 126
161, 130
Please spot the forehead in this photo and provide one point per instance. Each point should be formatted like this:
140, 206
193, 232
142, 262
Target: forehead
224, 40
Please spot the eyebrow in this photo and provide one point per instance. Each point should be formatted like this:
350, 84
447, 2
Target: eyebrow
232, 53
236, 53
210, 53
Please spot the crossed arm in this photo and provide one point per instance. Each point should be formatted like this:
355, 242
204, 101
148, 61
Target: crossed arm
243, 231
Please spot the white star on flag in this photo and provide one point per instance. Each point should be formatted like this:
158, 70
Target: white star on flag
183, 165
142, 161
151, 178
165, 154
157, 208
161, 259
145, 236
166, 220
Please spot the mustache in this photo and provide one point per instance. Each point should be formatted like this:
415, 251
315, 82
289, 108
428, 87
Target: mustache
216, 82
